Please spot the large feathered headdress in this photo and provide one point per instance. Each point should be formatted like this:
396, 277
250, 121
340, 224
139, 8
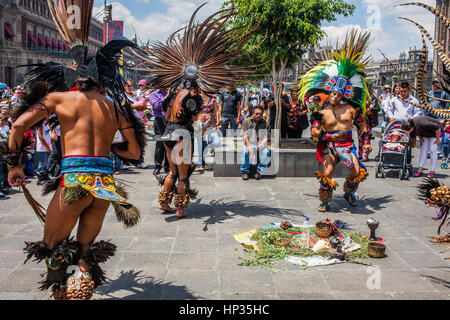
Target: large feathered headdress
343, 73
73, 18
199, 55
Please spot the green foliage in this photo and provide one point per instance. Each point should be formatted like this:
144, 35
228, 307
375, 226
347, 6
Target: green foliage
269, 253
289, 27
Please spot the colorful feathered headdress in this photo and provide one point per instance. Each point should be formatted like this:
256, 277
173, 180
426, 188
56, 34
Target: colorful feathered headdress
343, 72
199, 55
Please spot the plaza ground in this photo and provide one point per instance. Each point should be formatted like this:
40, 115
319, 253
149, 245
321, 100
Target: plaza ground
197, 257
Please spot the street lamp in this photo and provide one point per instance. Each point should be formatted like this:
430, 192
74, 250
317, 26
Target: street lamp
133, 64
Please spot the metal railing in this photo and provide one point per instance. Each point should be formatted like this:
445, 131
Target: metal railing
10, 43
50, 52
36, 49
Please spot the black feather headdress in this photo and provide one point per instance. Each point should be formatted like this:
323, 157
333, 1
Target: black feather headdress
102, 68
199, 55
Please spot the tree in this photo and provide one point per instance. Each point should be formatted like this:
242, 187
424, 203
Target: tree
288, 28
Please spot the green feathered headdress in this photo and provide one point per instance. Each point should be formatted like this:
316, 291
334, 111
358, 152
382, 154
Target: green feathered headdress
342, 72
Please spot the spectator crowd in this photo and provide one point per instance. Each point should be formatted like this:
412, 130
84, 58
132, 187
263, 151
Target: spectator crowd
229, 109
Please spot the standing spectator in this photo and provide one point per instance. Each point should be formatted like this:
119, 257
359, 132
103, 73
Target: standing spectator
446, 139
55, 158
4, 135
371, 120
285, 108
156, 99
297, 116
315, 105
254, 98
142, 87
143, 104
437, 93
255, 144
206, 124
29, 164
4, 126
246, 112
384, 97
43, 150
266, 100
429, 132
400, 109
229, 109
134, 104
6, 111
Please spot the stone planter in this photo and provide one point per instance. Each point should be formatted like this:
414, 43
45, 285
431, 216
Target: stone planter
294, 158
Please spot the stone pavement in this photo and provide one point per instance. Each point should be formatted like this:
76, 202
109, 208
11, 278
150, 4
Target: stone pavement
197, 258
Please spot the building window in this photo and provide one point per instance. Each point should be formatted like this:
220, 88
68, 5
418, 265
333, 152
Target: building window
9, 32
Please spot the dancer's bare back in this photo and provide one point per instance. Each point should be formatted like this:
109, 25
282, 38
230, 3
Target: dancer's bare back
174, 109
88, 126
88, 122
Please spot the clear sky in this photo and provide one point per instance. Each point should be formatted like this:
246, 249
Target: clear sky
156, 19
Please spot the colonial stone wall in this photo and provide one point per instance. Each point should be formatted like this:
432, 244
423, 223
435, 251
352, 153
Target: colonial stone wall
32, 17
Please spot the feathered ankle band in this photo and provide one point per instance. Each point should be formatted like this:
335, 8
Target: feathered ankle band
326, 182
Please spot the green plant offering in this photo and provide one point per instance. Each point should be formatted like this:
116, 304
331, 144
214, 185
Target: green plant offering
269, 253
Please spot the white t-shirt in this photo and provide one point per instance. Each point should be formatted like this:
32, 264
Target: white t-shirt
46, 134
4, 130
401, 110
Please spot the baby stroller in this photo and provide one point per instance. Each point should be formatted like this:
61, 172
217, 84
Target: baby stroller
395, 152
444, 164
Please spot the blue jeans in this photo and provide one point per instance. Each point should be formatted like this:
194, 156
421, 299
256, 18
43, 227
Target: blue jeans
29, 165
42, 161
210, 138
232, 124
445, 146
117, 162
263, 163
3, 172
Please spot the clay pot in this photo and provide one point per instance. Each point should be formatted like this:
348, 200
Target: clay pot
376, 250
323, 230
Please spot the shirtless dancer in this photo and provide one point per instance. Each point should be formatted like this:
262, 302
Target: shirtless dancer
89, 121
342, 79
335, 132
178, 144
186, 70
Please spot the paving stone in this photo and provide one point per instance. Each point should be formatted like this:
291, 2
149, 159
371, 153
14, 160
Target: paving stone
166, 258
246, 281
188, 261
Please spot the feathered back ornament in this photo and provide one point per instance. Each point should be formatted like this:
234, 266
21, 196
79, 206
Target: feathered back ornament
343, 73
73, 19
199, 55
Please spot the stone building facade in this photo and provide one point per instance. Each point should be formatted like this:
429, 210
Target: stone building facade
28, 35
402, 69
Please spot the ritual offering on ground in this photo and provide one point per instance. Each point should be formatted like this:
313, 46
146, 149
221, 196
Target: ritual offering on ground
324, 242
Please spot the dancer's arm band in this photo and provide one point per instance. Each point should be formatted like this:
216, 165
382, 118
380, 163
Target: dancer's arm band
15, 159
366, 138
325, 137
316, 124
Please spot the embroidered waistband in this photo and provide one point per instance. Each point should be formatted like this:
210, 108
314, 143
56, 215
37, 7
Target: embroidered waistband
78, 164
